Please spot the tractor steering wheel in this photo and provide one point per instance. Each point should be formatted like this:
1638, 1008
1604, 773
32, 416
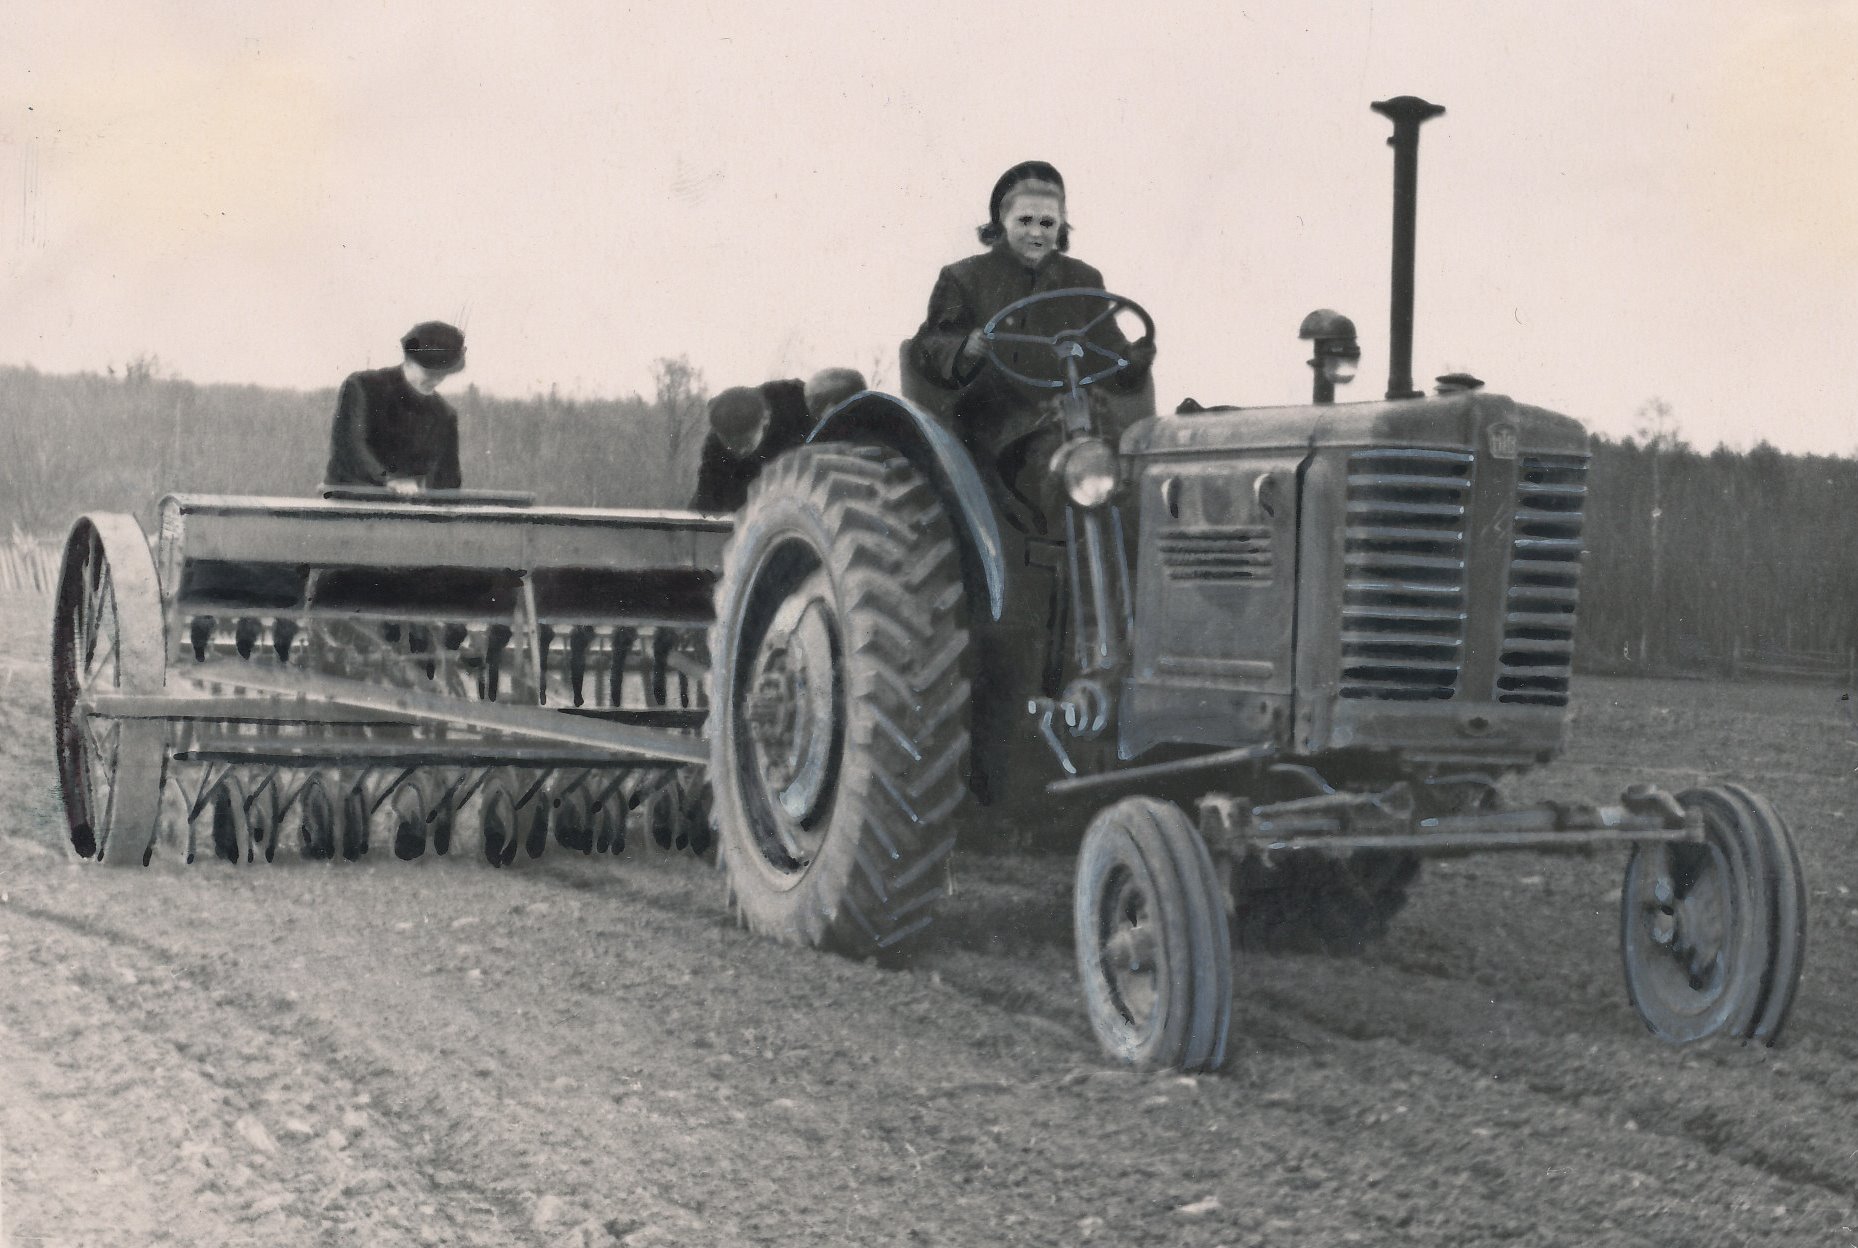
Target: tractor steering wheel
1069, 344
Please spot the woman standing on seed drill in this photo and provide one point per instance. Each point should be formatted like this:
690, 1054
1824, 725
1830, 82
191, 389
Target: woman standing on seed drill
1027, 239
391, 427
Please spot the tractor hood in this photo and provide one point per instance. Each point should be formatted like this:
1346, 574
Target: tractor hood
1473, 419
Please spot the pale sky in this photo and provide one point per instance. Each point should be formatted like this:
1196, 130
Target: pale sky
1623, 200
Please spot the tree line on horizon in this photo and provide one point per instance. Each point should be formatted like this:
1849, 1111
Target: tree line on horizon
1695, 560
71, 444
1703, 561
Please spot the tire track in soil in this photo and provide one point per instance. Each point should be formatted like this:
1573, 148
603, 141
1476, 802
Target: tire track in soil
1442, 1029
976, 1130
1329, 1057
1765, 1108
1600, 1078
1485, 1066
1338, 1118
1780, 1129
1555, 1036
302, 1175
363, 1068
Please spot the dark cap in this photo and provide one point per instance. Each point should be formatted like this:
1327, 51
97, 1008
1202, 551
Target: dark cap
1024, 171
435, 346
830, 387
738, 413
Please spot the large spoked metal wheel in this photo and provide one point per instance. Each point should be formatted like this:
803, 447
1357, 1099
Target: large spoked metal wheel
1714, 933
107, 639
1154, 951
839, 723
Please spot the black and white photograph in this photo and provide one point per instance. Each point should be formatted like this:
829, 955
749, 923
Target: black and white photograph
947, 625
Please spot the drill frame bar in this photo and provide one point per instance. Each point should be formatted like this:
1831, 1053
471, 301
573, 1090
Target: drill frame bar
192, 699
332, 533
361, 752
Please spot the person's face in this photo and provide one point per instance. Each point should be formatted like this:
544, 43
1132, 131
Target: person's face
1032, 220
423, 379
740, 442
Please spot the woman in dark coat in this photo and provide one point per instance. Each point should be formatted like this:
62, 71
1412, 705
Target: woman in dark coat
391, 427
1028, 242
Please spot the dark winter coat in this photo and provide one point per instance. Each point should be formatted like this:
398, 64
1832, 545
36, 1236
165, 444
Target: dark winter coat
722, 479
385, 428
967, 295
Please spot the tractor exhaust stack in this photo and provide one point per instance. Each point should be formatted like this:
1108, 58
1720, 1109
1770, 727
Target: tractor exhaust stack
1408, 113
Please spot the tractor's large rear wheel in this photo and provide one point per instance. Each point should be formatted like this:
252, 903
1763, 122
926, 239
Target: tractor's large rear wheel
107, 639
839, 719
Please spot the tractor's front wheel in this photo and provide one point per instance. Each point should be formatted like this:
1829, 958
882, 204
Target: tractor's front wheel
1713, 933
1154, 953
839, 715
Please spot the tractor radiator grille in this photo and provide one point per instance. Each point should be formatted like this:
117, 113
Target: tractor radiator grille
1544, 584
1240, 553
1403, 604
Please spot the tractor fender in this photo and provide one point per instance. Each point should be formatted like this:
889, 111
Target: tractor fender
873, 417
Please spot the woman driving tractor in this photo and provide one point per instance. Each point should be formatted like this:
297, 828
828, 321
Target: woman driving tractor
1002, 415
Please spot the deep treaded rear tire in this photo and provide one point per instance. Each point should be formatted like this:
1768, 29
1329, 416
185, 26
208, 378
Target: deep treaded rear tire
839, 723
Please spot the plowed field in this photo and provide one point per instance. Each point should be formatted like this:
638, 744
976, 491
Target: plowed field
588, 1051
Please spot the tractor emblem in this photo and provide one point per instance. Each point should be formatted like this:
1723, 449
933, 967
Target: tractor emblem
1503, 441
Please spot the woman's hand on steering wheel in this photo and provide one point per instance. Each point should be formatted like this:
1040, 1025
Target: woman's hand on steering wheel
1070, 344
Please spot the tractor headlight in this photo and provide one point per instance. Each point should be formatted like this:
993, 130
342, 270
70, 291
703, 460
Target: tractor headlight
1340, 369
1088, 469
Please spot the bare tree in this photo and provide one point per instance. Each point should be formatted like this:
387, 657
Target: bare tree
1657, 429
141, 370
680, 400
877, 372
1657, 426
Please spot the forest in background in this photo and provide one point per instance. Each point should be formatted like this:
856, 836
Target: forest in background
88, 442
1719, 561
1697, 561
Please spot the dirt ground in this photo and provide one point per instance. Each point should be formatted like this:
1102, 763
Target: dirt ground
586, 1051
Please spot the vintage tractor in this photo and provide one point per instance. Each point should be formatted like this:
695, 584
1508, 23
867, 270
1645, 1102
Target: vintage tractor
1296, 649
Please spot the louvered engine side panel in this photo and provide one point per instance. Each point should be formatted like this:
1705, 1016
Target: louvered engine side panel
1544, 583
1404, 605
1227, 554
